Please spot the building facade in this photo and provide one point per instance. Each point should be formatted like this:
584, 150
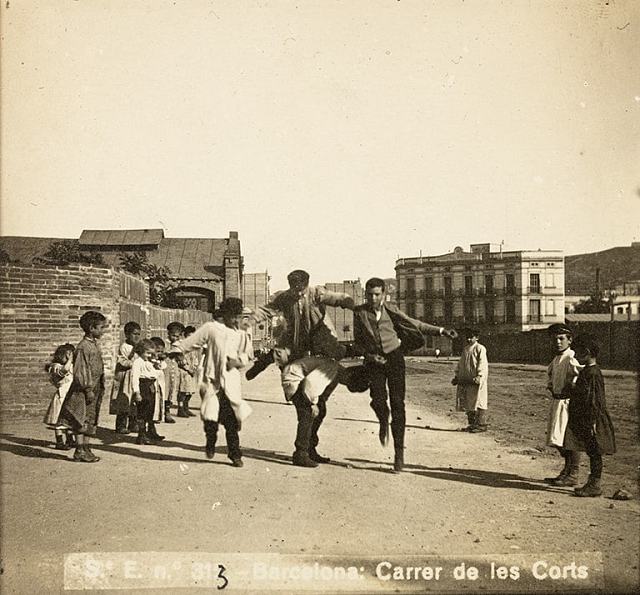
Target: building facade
495, 291
255, 293
342, 318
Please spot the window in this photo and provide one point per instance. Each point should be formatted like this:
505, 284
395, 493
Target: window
411, 287
411, 310
428, 285
488, 283
447, 286
468, 311
510, 306
534, 282
468, 285
489, 312
534, 310
511, 284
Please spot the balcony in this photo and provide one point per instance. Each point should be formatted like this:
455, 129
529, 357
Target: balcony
534, 289
534, 318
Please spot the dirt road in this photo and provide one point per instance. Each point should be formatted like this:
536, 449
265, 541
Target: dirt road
462, 496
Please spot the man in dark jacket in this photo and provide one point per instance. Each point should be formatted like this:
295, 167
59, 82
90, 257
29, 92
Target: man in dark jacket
383, 334
307, 355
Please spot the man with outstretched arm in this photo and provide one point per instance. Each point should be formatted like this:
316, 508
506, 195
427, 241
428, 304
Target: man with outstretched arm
383, 334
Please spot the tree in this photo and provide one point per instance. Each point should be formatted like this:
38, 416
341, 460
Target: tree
64, 252
593, 305
161, 286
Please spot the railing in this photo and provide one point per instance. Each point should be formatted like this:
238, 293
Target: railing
534, 318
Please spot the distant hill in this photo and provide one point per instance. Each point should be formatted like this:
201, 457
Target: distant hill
616, 265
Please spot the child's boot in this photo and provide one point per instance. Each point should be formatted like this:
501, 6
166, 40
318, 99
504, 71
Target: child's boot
186, 406
480, 424
181, 410
571, 478
471, 420
71, 440
591, 489
133, 424
121, 424
60, 443
93, 458
167, 413
142, 434
563, 473
84, 455
153, 433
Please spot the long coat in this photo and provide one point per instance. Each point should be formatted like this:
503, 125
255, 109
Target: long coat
588, 415
472, 373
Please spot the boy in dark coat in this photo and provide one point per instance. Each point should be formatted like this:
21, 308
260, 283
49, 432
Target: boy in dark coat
589, 428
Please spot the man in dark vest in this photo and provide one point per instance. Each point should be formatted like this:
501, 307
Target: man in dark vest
383, 334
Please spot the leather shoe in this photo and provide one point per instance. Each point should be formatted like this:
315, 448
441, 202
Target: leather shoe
302, 459
314, 455
398, 462
384, 433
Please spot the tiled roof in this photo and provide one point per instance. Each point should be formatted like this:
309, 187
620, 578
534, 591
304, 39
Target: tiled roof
121, 237
188, 258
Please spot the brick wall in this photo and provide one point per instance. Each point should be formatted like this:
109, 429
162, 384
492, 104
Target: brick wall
40, 308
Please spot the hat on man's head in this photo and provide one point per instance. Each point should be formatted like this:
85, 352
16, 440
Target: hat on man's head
559, 328
231, 306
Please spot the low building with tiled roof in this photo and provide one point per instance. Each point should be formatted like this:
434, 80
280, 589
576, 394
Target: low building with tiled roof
207, 269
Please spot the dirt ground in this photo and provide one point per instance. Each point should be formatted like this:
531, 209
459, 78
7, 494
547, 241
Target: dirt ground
462, 497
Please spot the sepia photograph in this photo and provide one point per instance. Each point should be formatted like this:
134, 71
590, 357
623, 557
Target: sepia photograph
319, 296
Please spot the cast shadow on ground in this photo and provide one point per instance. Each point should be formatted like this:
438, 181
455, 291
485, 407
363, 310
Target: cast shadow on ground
30, 447
375, 421
268, 402
493, 479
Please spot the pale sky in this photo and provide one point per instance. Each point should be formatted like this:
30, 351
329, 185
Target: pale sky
333, 136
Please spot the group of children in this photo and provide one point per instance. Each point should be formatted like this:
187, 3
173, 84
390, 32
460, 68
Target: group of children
209, 359
148, 377
578, 419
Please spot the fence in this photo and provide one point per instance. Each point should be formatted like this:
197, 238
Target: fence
618, 341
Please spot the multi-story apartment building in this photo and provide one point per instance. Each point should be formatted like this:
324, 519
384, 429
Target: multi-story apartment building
496, 291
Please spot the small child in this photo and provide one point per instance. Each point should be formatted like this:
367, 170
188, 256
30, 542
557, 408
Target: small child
188, 368
144, 375
589, 429
226, 348
471, 382
81, 408
160, 363
562, 372
60, 372
121, 405
175, 332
